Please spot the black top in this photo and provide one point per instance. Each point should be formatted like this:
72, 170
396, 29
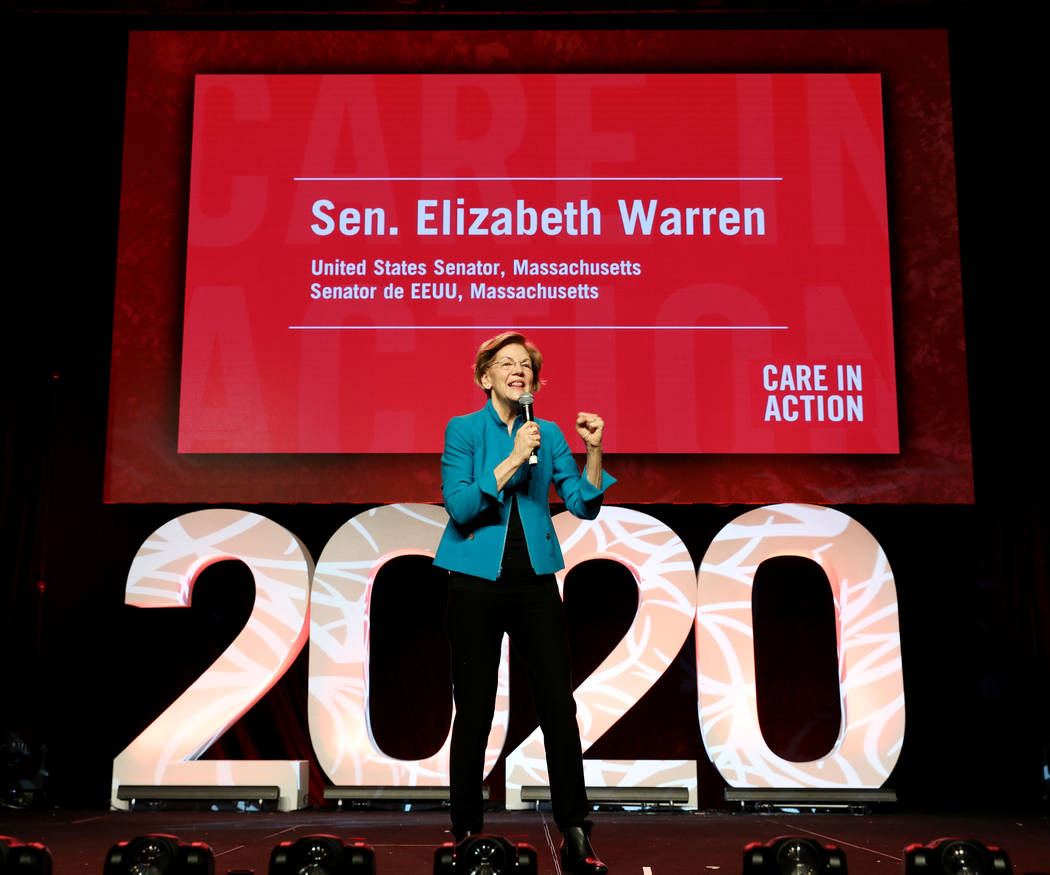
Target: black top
516, 572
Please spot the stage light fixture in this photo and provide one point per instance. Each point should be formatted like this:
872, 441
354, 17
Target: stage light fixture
793, 855
159, 854
322, 855
952, 856
23, 858
485, 855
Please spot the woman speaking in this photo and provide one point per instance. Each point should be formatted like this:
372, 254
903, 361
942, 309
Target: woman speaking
501, 550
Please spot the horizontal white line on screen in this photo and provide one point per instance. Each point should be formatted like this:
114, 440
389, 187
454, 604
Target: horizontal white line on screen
538, 178
539, 327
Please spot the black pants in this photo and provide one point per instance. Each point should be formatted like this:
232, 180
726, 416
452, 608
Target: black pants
534, 618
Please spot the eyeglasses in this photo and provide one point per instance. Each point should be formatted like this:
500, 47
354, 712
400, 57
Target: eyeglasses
507, 364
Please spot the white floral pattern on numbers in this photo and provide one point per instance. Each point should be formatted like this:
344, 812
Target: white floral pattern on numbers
871, 685
340, 727
663, 569
162, 575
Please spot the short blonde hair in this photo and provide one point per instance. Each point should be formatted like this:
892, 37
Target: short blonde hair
488, 351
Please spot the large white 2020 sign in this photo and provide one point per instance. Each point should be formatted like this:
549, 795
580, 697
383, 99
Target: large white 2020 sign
671, 600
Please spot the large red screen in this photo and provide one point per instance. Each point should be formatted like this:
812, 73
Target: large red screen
754, 264
702, 258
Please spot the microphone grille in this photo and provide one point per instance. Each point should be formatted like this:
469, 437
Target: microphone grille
526, 398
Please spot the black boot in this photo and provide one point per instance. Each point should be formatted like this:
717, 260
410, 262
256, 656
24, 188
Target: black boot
577, 855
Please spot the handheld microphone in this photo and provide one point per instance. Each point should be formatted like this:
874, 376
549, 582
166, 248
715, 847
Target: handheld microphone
525, 402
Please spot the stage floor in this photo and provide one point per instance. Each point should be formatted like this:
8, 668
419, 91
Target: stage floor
665, 843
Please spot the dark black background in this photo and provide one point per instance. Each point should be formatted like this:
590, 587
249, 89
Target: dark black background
83, 674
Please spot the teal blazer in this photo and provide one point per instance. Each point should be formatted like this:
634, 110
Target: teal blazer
477, 529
